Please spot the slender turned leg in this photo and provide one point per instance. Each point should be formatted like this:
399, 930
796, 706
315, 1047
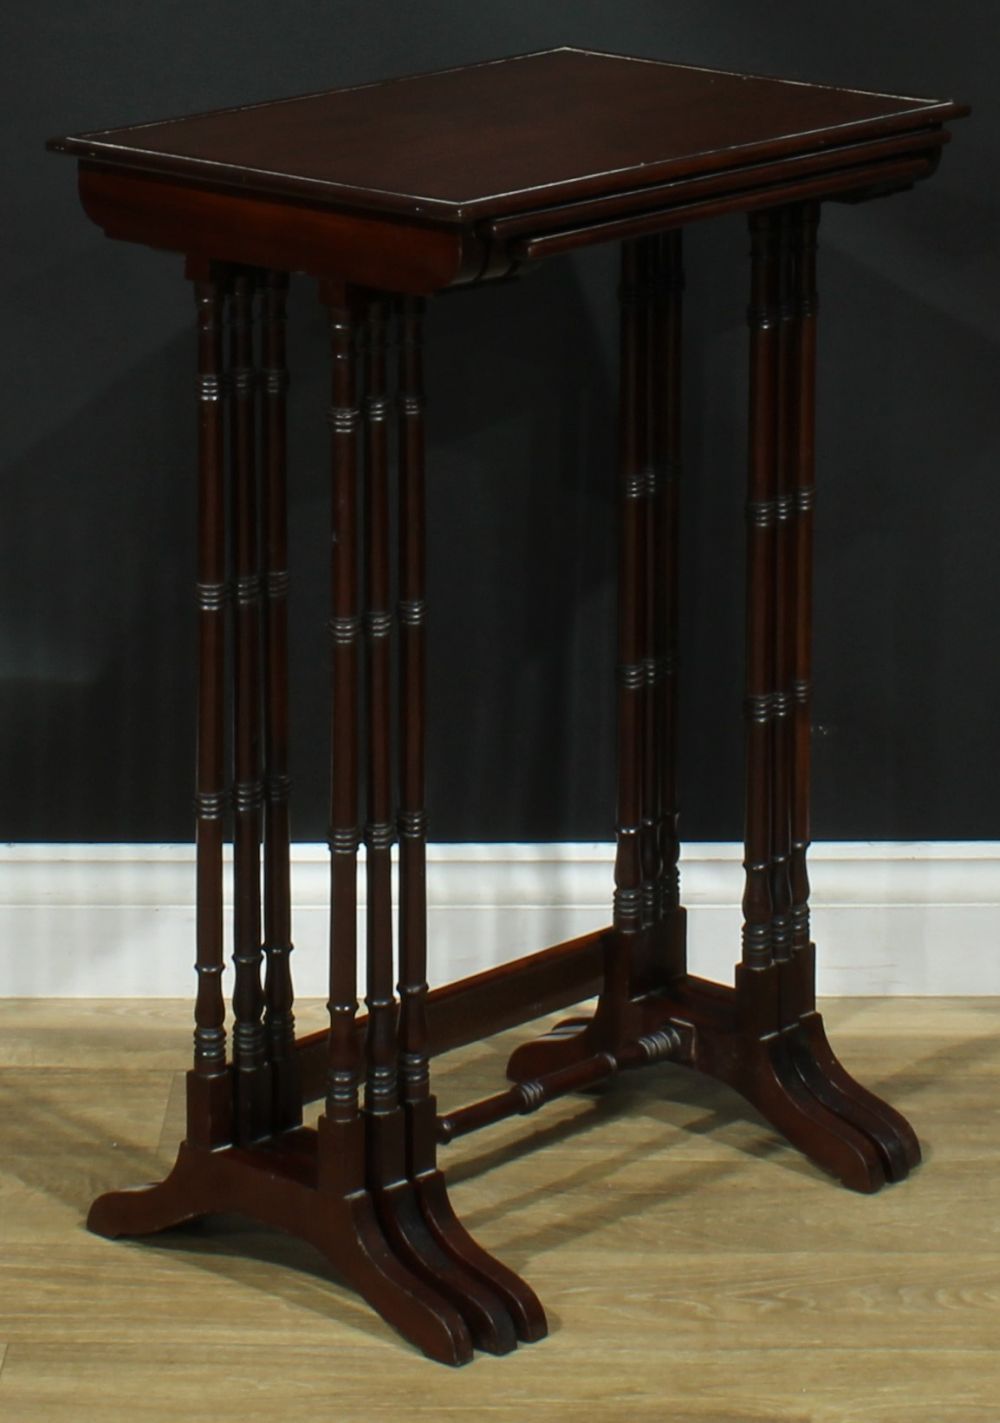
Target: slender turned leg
210, 1106
810, 1049
784, 611
803, 239
278, 996
632, 520
757, 895
419, 1105
769, 1076
380, 1085
209, 1084
362, 1251
665, 364
342, 1069
252, 1085
649, 631
395, 1199
636, 849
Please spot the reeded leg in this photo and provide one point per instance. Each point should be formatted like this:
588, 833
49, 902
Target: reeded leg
279, 1019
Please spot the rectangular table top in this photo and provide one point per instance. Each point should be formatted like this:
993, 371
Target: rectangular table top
508, 136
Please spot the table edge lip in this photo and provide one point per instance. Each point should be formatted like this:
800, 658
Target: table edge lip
460, 212
323, 195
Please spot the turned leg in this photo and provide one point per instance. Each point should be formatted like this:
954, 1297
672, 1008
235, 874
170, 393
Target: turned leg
784, 608
209, 1084
650, 631
758, 941
210, 1120
419, 1312
645, 947
476, 1275
279, 1018
251, 1074
808, 1044
395, 1199
772, 1079
666, 371
631, 672
638, 866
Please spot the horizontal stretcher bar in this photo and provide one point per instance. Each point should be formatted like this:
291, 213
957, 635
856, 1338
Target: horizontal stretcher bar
486, 1003
525, 1097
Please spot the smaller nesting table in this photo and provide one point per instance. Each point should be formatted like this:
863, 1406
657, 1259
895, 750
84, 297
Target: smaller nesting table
387, 194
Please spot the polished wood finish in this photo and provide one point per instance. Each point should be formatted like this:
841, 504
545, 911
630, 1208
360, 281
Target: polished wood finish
278, 992
387, 1173
414, 1073
388, 193
260, 231
209, 1087
251, 1077
343, 415
476, 1276
686, 1252
425, 196
427, 146
665, 398
758, 941
381, 1094
630, 671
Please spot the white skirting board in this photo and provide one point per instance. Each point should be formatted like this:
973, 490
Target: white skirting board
888, 918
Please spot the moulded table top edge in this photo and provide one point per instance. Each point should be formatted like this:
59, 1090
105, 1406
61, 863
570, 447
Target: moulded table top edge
105, 148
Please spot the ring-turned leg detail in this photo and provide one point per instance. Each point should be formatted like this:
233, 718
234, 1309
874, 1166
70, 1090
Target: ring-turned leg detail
392, 1190
808, 1046
279, 1018
343, 1165
498, 1306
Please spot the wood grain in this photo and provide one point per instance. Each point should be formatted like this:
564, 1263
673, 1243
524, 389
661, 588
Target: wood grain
764, 1293
501, 137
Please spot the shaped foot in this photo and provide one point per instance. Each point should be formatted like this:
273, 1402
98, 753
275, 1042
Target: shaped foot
518, 1298
830, 1081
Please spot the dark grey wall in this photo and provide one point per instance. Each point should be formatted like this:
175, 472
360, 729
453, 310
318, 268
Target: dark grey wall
97, 445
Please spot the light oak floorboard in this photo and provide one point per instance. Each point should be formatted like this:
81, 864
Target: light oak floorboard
693, 1266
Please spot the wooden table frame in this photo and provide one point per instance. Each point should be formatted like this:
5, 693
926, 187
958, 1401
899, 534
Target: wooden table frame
365, 1186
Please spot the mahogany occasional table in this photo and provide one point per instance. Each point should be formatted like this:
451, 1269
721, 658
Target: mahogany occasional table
386, 194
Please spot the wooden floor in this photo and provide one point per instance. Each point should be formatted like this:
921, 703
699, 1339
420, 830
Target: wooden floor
692, 1266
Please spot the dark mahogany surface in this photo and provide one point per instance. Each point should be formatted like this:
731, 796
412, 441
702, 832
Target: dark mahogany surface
408, 187
509, 135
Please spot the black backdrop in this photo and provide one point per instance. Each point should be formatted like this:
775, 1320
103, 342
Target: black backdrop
97, 445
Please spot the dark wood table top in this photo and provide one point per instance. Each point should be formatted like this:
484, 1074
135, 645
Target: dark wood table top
509, 137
